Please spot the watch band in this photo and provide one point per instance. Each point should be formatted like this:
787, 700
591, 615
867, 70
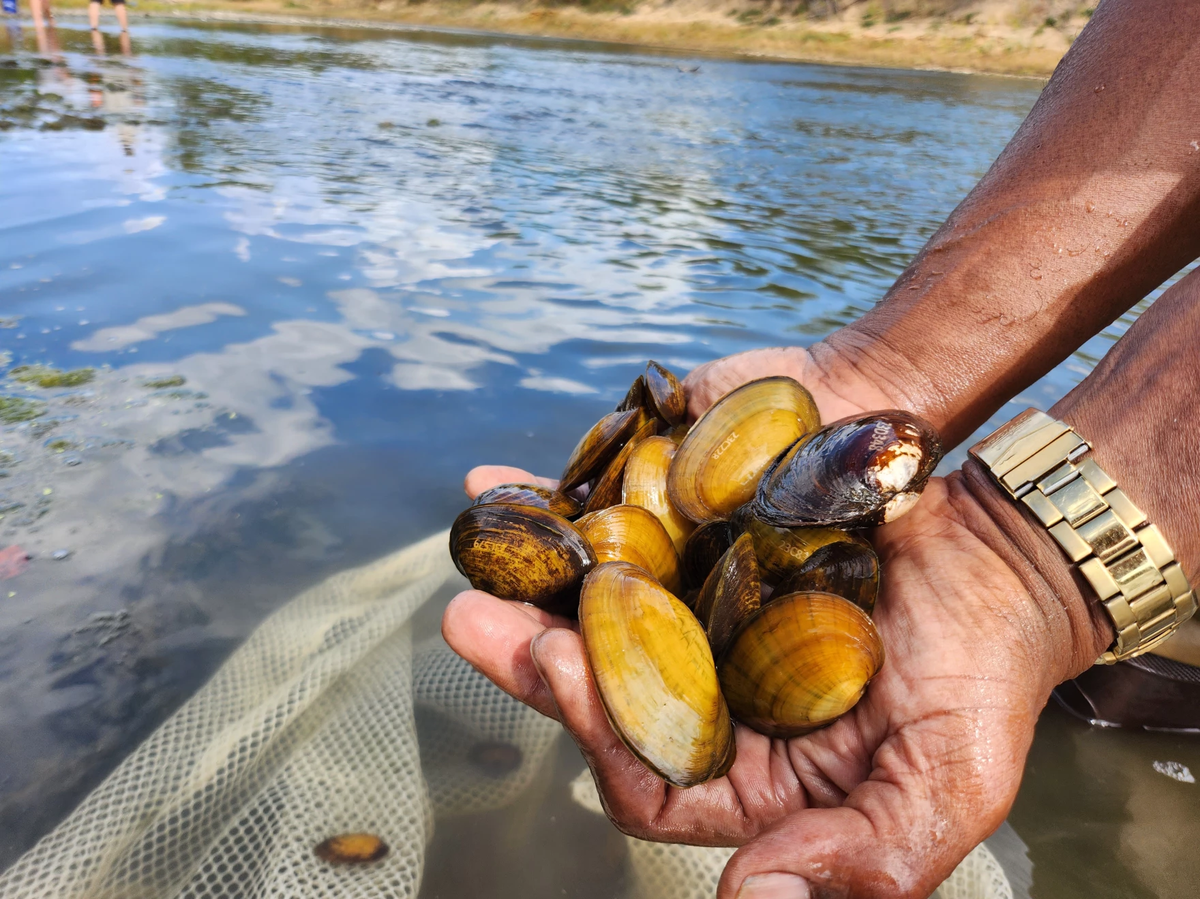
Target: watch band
1042, 463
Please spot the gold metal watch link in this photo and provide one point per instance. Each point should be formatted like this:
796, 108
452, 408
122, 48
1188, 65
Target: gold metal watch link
1043, 463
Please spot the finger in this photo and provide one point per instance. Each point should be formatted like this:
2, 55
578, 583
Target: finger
898, 836
722, 812
494, 636
485, 477
632, 793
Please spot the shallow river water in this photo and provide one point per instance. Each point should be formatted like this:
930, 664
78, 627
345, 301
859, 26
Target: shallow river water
321, 273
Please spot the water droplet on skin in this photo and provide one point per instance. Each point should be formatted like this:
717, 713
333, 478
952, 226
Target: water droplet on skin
1099, 89
1090, 207
1036, 274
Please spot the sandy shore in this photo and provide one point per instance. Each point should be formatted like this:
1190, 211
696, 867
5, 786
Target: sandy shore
998, 37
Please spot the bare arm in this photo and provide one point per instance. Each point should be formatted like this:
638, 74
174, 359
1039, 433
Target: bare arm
1093, 204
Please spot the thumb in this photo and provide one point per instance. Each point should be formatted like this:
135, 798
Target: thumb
841, 853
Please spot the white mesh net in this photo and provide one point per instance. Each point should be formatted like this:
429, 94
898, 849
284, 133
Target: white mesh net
309, 730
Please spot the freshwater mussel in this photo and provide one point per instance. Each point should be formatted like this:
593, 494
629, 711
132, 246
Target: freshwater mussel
852, 473
531, 495
645, 484
522, 553
625, 533
716, 570
731, 593
655, 675
799, 663
720, 461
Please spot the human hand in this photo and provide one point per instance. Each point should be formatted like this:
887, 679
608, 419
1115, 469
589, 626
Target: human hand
891, 797
838, 389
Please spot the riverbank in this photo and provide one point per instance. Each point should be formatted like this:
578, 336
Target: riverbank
1007, 37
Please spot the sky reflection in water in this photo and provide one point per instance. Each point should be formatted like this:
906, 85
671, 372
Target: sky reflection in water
376, 262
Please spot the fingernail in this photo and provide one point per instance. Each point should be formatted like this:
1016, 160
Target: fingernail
533, 654
774, 886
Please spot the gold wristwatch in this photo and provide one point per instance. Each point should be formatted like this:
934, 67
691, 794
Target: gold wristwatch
1042, 463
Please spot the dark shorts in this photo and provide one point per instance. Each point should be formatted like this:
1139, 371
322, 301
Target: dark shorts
111, 2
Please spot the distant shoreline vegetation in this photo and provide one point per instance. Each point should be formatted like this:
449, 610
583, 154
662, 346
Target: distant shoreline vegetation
1008, 37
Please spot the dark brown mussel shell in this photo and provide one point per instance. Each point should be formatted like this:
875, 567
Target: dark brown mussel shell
703, 549
635, 398
849, 569
606, 489
799, 663
781, 550
731, 593
597, 447
522, 553
664, 394
852, 473
531, 495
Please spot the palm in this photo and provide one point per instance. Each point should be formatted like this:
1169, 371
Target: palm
935, 748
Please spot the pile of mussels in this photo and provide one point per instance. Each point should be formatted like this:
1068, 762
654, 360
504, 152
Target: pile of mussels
715, 570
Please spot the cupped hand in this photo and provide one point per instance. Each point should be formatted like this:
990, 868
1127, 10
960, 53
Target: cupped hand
886, 801
838, 389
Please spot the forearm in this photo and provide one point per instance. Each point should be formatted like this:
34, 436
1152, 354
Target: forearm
1138, 412
1094, 203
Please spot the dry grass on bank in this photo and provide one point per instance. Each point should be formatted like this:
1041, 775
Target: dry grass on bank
1011, 37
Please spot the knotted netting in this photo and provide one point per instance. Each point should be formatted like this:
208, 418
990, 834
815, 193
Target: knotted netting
311, 729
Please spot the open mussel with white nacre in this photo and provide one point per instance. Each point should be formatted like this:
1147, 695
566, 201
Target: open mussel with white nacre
718, 571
